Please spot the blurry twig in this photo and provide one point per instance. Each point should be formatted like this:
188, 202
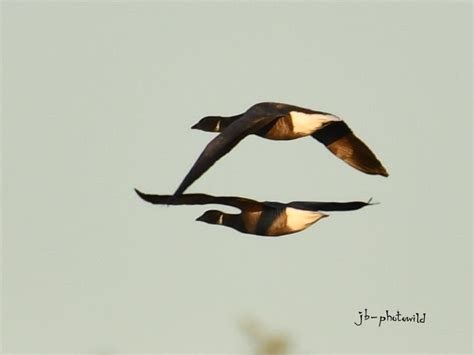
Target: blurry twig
265, 344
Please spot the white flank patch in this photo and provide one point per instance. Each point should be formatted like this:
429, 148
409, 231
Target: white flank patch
298, 220
307, 123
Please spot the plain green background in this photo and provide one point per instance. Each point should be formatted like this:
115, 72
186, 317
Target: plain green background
98, 98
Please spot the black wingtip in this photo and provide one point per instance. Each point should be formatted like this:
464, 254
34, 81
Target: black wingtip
384, 172
145, 197
140, 194
155, 199
370, 203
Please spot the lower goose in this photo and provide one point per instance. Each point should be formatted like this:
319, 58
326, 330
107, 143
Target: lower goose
271, 219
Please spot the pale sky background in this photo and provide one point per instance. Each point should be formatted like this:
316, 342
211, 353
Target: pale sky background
98, 98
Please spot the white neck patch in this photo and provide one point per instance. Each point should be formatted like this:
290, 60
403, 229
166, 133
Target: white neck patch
307, 123
221, 219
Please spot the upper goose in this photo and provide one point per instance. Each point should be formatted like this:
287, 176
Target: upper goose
271, 219
279, 121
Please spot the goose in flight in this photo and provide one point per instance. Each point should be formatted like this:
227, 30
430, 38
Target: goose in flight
270, 219
278, 121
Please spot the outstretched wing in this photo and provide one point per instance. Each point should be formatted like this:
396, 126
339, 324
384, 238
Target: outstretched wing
200, 199
222, 144
342, 142
329, 206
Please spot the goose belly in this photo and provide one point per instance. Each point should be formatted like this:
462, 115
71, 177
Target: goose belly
297, 220
305, 124
281, 130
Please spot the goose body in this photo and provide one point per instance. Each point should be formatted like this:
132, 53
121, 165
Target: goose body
270, 219
288, 122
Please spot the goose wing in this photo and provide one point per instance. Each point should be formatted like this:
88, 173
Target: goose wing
329, 206
200, 199
342, 142
223, 143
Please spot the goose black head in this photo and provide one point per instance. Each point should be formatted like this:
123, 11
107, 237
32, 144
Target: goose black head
211, 217
209, 124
